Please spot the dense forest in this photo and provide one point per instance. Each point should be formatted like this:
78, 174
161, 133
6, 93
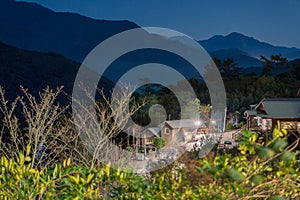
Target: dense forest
278, 78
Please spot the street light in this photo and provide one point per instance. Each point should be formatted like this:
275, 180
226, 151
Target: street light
198, 123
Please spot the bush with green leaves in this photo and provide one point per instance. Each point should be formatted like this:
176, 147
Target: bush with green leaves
228, 126
240, 125
256, 170
259, 171
159, 142
19, 180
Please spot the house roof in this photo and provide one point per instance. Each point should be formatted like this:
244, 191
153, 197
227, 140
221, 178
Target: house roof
250, 113
151, 131
183, 123
279, 108
155, 130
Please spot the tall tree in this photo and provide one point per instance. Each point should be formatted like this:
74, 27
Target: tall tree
228, 68
273, 63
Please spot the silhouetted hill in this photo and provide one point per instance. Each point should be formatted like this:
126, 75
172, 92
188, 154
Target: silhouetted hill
35, 70
249, 45
33, 27
243, 59
277, 68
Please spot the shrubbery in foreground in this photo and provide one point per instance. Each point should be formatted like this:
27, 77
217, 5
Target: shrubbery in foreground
257, 172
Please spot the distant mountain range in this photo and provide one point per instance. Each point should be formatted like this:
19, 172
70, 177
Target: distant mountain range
243, 59
33, 27
245, 50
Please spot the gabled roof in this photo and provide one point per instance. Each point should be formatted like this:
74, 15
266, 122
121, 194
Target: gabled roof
183, 123
151, 131
250, 113
155, 130
279, 108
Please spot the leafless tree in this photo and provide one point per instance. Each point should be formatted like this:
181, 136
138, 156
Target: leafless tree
53, 135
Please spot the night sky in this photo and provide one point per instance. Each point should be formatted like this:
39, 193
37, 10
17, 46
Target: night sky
276, 22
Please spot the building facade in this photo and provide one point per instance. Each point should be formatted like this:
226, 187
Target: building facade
271, 110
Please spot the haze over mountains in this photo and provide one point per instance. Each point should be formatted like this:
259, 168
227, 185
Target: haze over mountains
245, 50
33, 27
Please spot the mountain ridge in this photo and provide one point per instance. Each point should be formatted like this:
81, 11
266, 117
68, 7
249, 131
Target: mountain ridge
250, 45
34, 27
36, 70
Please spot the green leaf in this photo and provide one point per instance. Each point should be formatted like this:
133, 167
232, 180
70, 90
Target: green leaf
280, 145
287, 156
199, 169
27, 159
89, 178
265, 152
277, 198
257, 179
235, 175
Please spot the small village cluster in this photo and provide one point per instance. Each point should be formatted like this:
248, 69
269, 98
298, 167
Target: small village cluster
261, 117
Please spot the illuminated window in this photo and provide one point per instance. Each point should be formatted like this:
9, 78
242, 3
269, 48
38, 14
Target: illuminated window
149, 141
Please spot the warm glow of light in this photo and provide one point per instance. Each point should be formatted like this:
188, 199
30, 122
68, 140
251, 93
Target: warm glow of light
198, 122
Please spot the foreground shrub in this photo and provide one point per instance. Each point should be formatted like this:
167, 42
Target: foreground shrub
256, 171
228, 126
240, 125
259, 171
20, 181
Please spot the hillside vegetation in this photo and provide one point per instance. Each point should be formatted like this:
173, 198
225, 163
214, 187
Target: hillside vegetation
64, 169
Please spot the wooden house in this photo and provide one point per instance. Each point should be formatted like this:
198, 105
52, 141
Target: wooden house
270, 110
183, 130
148, 134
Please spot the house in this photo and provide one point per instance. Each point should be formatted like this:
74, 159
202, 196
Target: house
148, 134
251, 116
184, 130
142, 138
270, 110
